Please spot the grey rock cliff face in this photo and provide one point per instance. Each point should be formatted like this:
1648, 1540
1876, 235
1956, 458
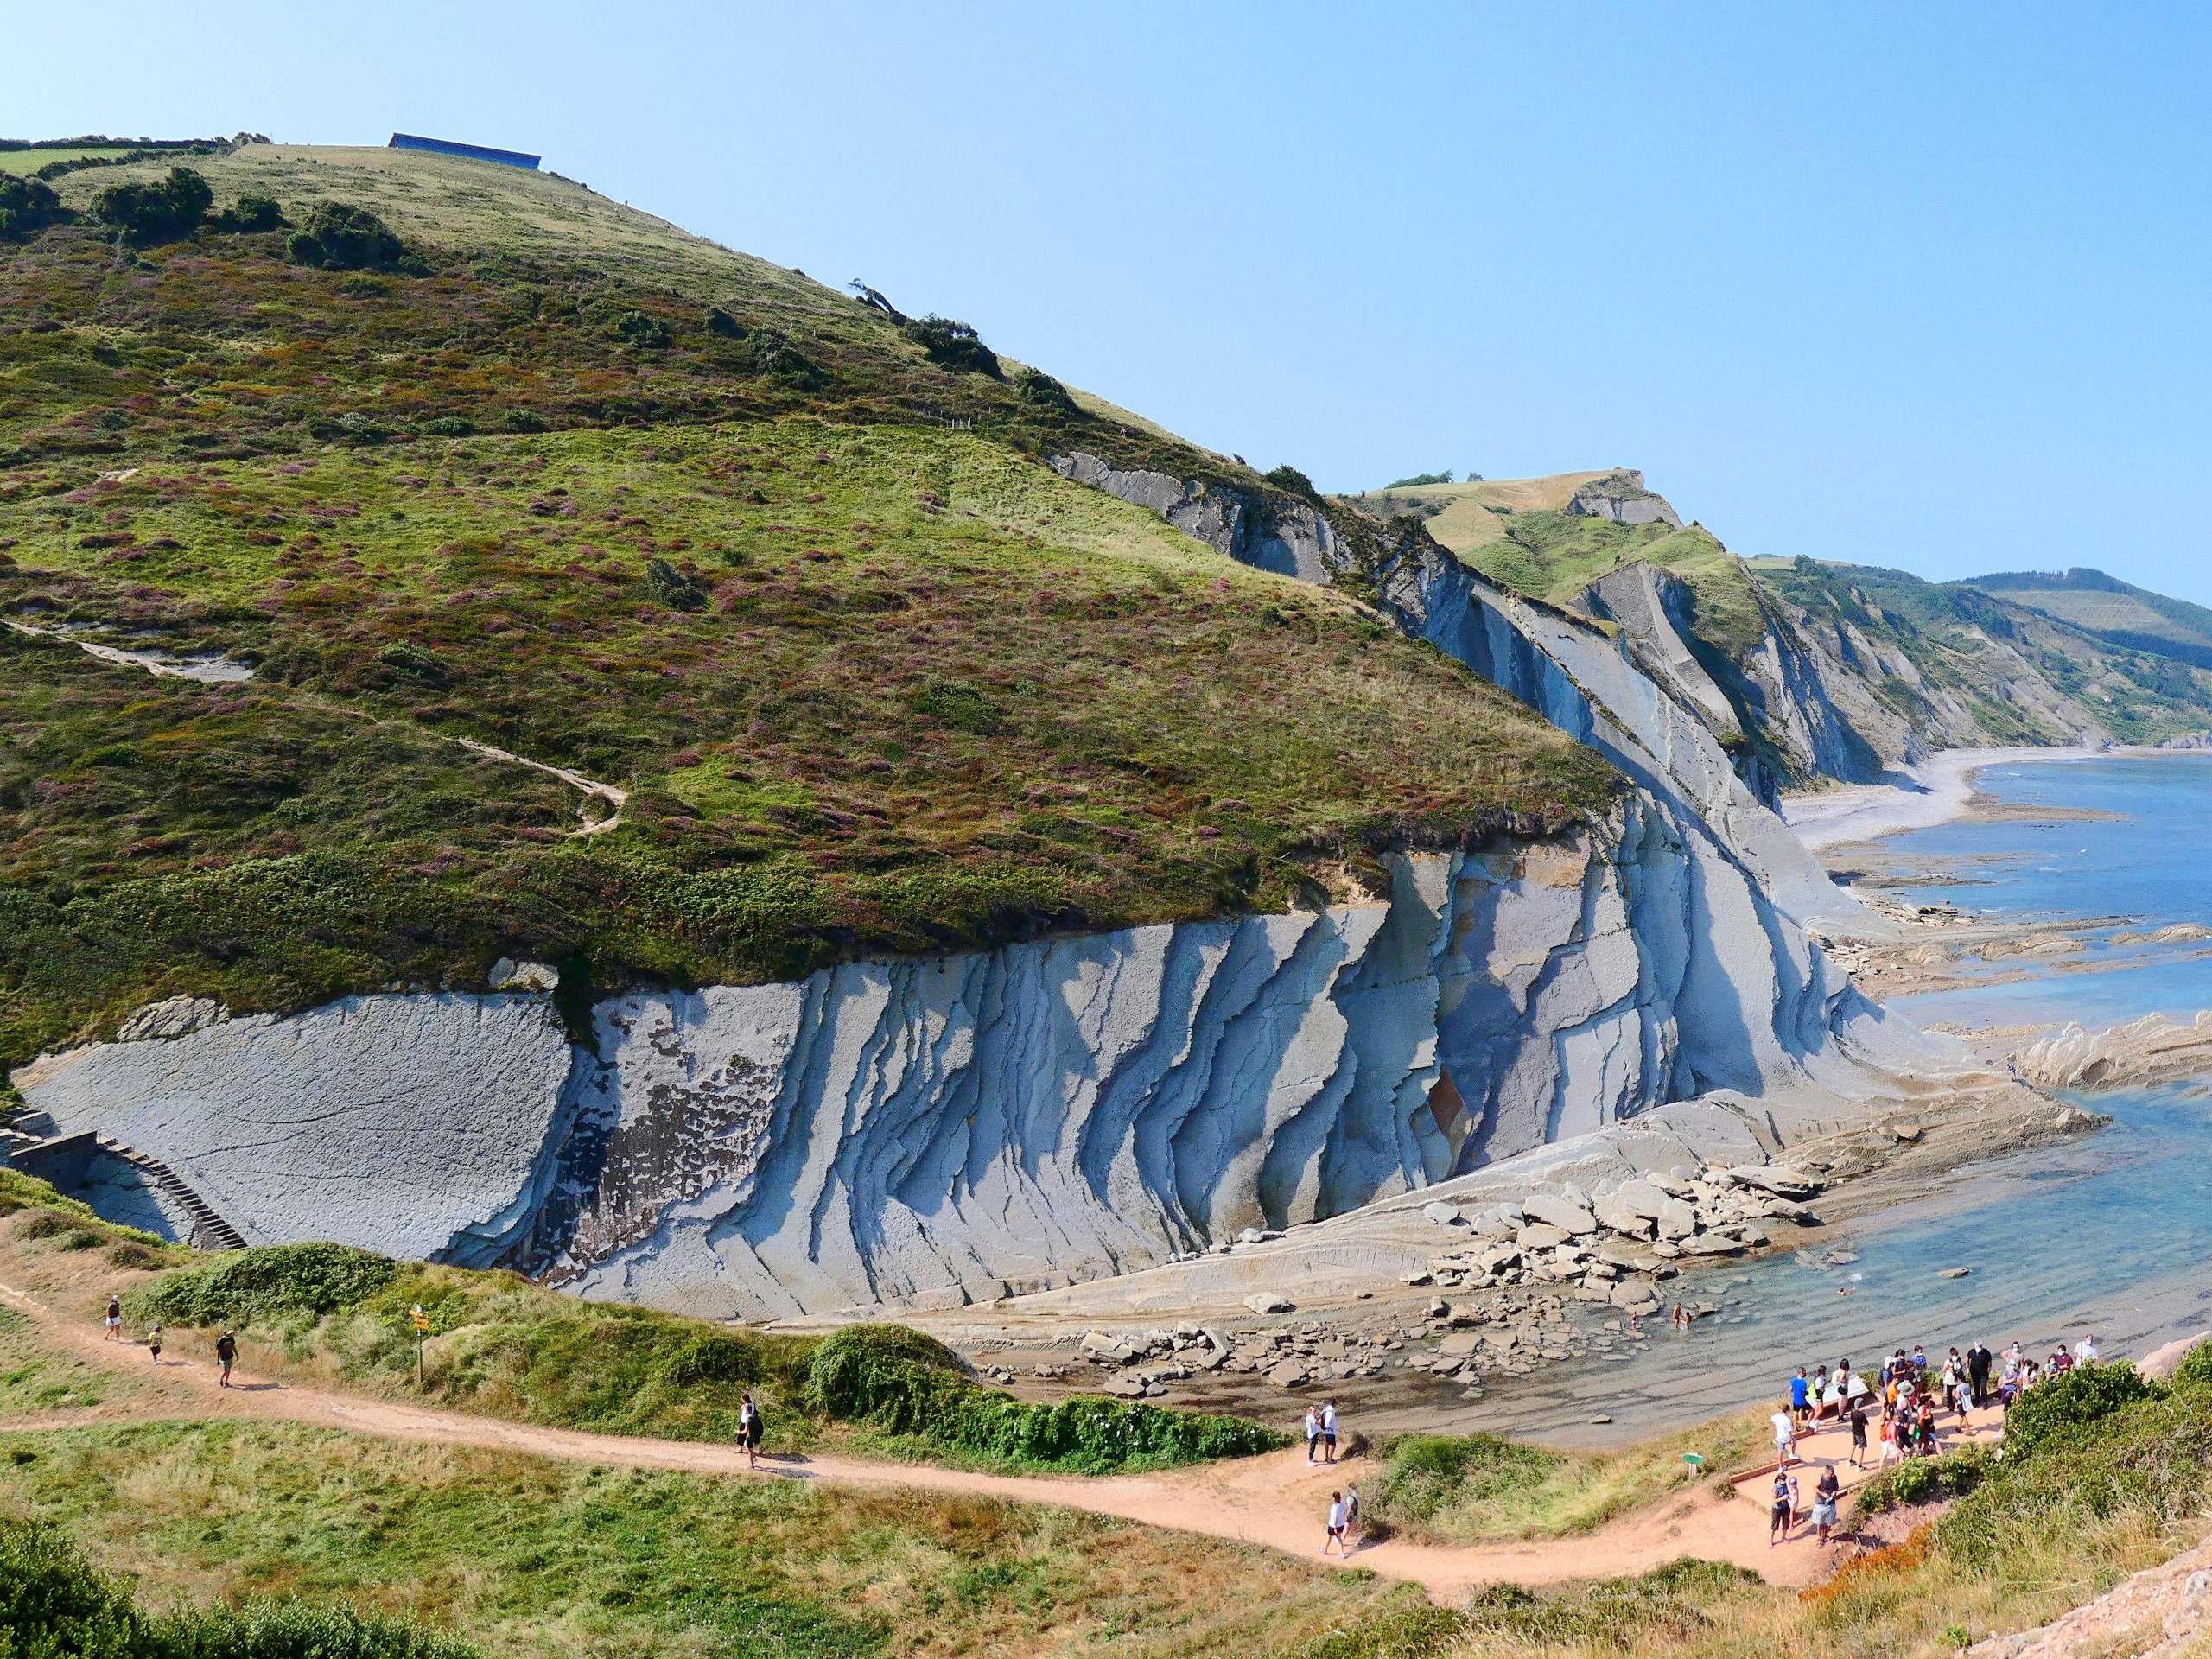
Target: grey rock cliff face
416, 1125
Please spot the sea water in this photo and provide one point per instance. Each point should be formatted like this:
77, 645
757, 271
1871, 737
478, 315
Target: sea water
2110, 1232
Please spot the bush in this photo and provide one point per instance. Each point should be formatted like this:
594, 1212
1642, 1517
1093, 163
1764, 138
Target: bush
720, 322
955, 345
1039, 388
523, 420
2059, 1404
2194, 1370
1423, 1474
671, 588
275, 1283
449, 426
249, 214
142, 214
637, 329
54, 1605
337, 237
25, 204
773, 355
1295, 482
293, 1630
904, 1384
1917, 1480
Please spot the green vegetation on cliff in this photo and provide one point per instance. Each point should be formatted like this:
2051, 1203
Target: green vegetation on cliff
613, 498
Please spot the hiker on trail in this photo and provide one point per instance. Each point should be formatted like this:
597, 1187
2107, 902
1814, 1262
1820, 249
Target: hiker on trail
114, 1318
1313, 1435
154, 1343
1329, 1432
1785, 1437
1781, 1514
749, 1430
1801, 1393
226, 1351
1830, 1487
1354, 1528
1858, 1433
1336, 1524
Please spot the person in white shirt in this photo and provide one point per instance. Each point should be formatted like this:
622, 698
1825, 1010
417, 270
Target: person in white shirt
1336, 1524
1785, 1435
2085, 1351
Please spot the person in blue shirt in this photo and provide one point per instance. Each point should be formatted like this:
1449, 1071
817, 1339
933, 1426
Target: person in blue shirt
1801, 1397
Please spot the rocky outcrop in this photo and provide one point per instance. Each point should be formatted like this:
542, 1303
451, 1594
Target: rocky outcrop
1288, 536
1622, 497
2153, 1049
2165, 1612
420, 1126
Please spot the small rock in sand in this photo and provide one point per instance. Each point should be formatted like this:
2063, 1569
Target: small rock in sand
1266, 1301
1954, 1273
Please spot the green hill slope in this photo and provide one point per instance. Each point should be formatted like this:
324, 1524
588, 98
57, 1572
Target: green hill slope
566, 481
2112, 610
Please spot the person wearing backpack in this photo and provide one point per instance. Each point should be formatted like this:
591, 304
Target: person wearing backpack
750, 1431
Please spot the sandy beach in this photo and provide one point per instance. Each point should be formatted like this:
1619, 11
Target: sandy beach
1936, 791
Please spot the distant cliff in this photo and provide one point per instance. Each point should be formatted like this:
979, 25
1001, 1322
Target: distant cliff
1808, 672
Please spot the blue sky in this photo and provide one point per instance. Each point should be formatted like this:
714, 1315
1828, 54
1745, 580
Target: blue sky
1920, 286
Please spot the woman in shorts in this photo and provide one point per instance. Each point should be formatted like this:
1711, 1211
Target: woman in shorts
1336, 1524
114, 1318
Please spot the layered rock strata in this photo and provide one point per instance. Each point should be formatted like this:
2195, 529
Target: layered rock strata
2153, 1049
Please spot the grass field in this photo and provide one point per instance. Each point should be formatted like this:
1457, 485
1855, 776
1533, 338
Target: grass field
874, 685
523, 1556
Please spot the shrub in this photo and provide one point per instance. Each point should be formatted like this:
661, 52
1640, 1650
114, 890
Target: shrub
449, 426
1295, 482
904, 1384
337, 237
644, 333
1423, 1474
293, 1630
773, 355
2194, 1370
960, 704
1039, 388
25, 204
249, 214
142, 212
276, 1282
1919, 1479
54, 1605
671, 588
955, 345
720, 322
523, 420
1419, 479
2064, 1402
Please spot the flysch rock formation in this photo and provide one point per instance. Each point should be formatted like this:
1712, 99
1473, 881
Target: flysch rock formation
2153, 1049
931, 1132
420, 1126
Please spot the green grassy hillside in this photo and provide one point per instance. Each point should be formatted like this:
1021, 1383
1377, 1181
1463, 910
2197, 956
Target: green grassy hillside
562, 479
2111, 609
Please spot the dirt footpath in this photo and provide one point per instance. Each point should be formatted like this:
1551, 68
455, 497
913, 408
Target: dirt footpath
1275, 1500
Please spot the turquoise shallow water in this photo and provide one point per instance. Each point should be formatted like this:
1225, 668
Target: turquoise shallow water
2112, 1231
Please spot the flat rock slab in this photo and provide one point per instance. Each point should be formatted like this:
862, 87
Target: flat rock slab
414, 1125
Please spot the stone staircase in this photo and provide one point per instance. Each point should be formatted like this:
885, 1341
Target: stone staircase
209, 1230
